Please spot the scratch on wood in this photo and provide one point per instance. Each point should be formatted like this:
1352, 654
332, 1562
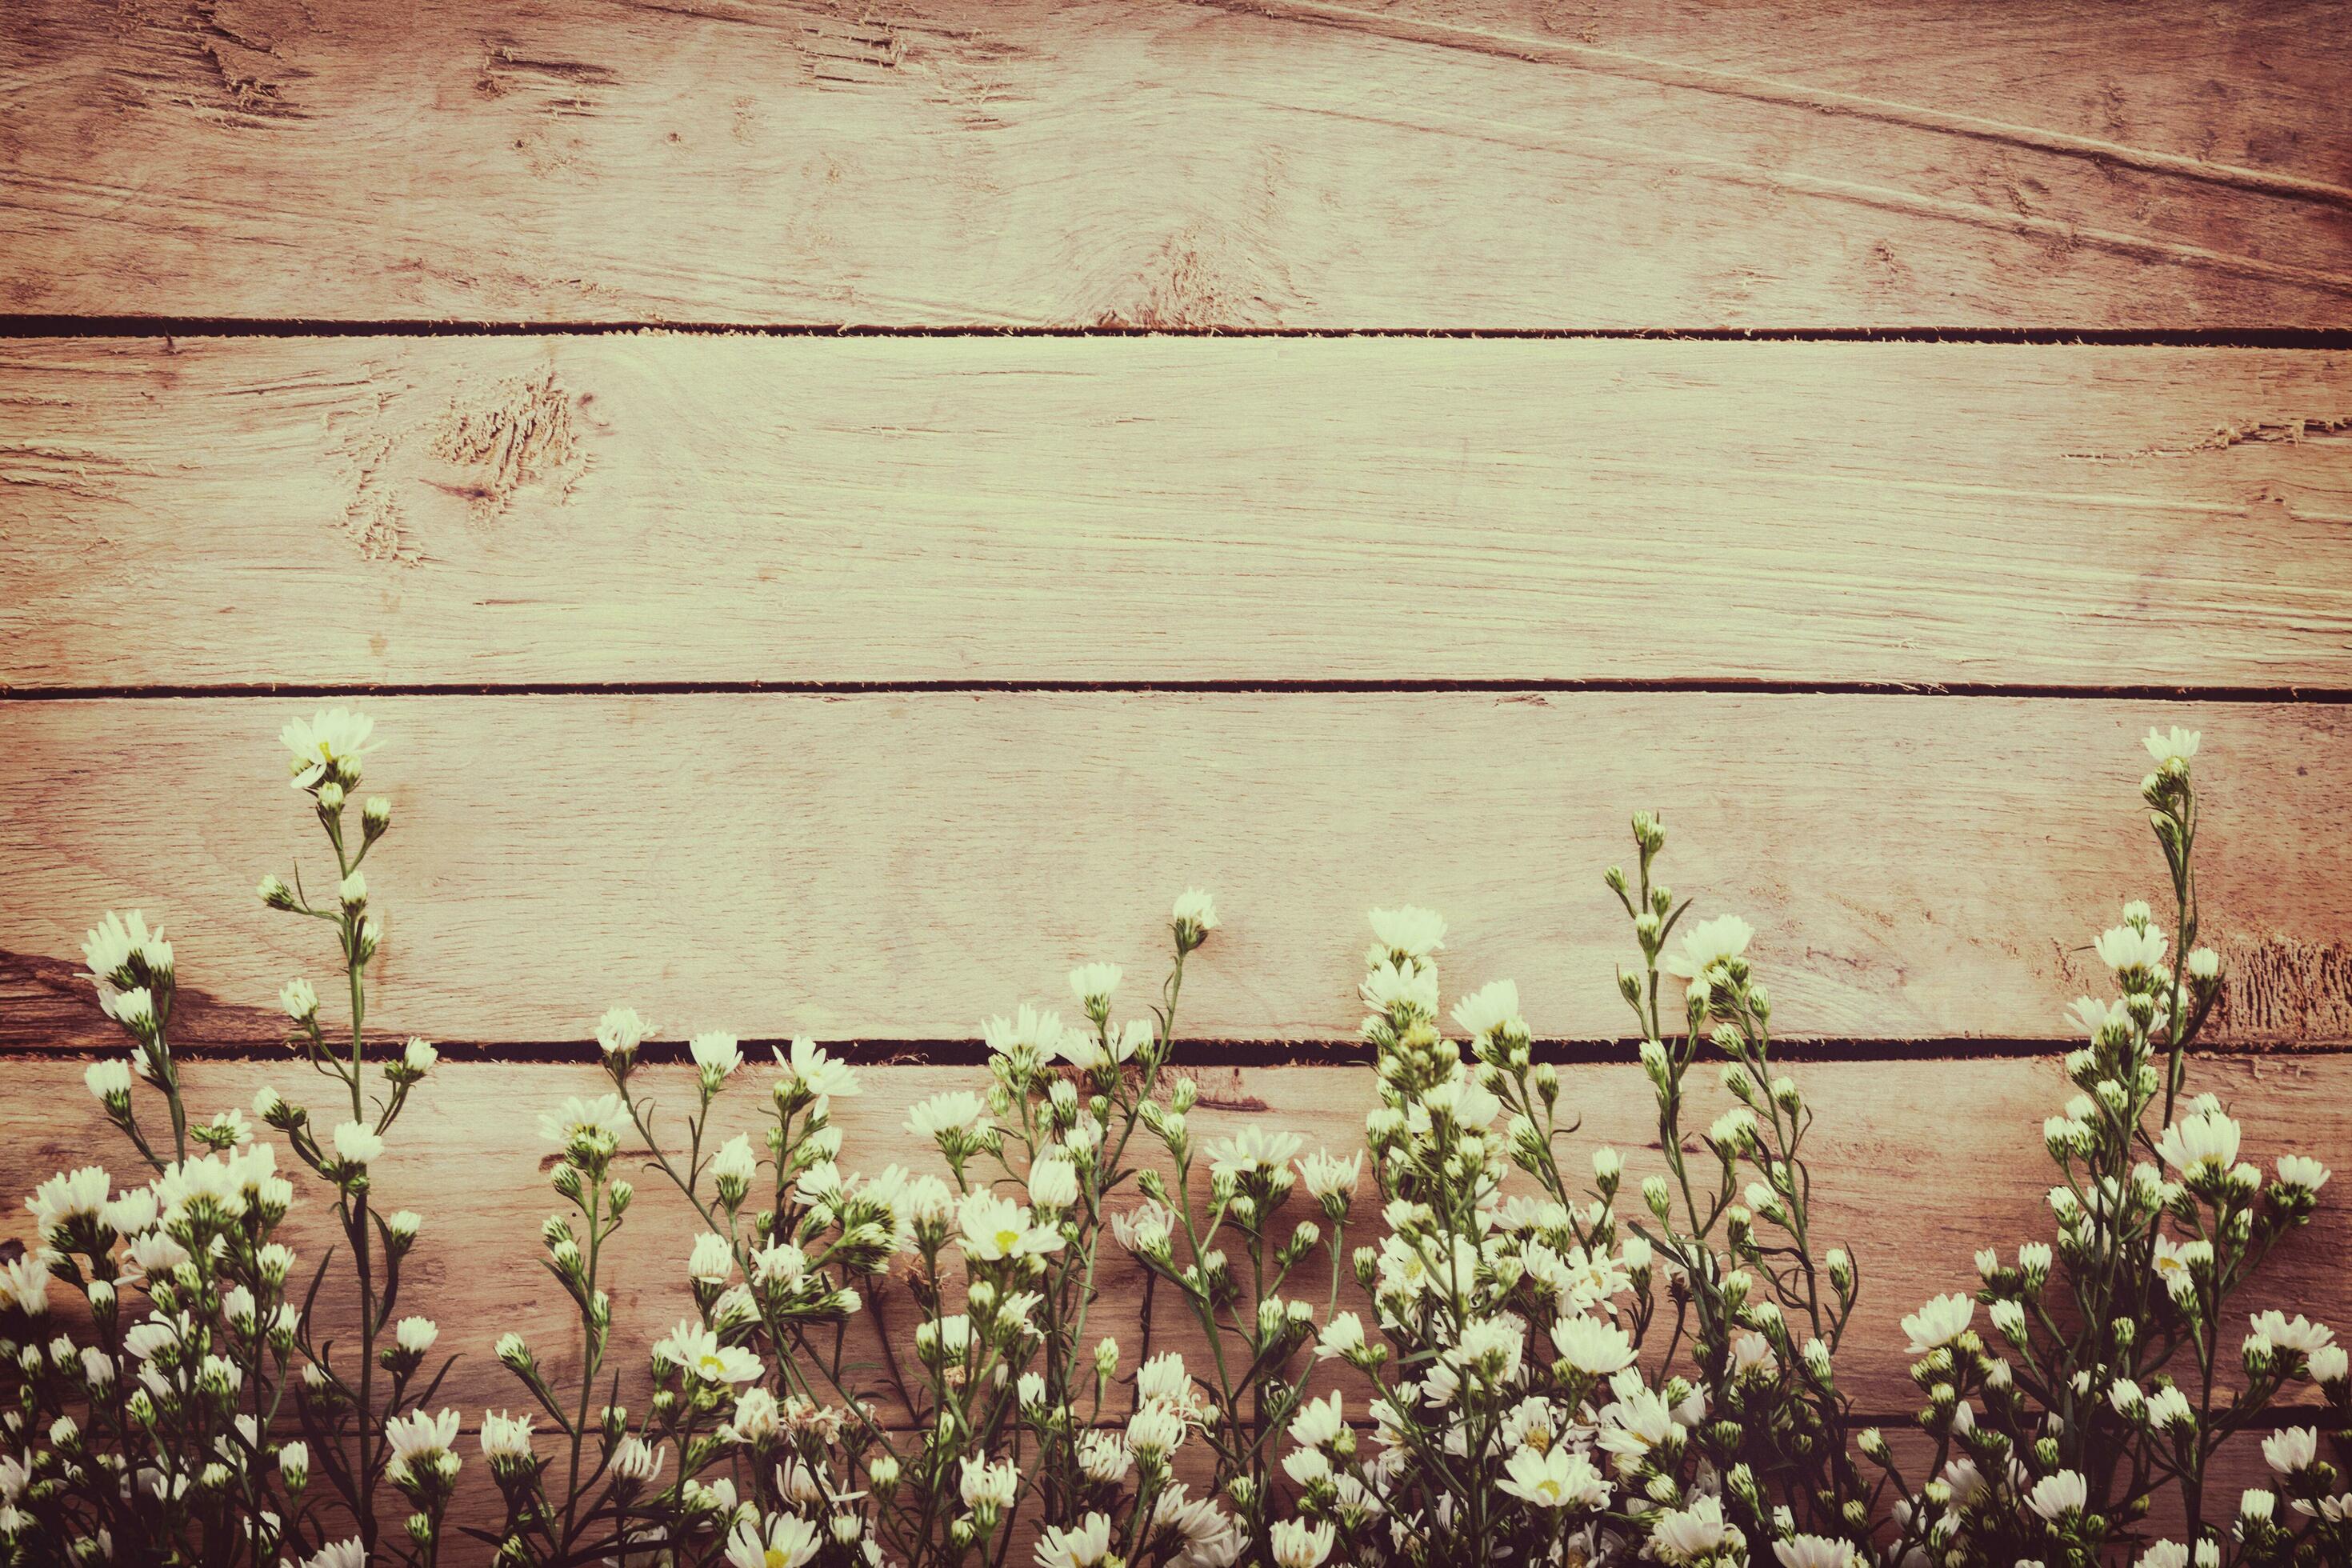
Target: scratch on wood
2284, 989
562, 85
2059, 235
1184, 285
1767, 89
230, 74
521, 435
2285, 432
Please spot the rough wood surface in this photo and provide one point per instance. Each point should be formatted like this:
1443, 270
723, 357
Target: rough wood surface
610, 508
1915, 1166
1234, 162
896, 865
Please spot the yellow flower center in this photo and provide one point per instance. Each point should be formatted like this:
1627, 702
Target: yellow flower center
1006, 1240
711, 1367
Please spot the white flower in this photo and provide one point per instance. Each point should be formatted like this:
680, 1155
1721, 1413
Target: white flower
1325, 1175
2299, 1335
697, 1350
620, 1031
417, 1437
356, 1143
734, 1161
1708, 945
1593, 1346
956, 1110
67, 1196
716, 1052
2292, 1450
1053, 1183
2179, 744
1342, 1336
115, 941
822, 1076
1939, 1323
1084, 1544
2328, 1363
505, 1437
1154, 1430
712, 1261
2055, 1496
1556, 1478
1195, 912
1298, 1544
2302, 1171
635, 1459
1093, 983
299, 999
1814, 1551
415, 1335
758, 1417
602, 1118
2207, 1139
352, 1554
2126, 948
785, 1541
1695, 1531
1254, 1151
1388, 988
996, 1227
24, 1283
1412, 930
982, 1482
1488, 1008
329, 738
1318, 1421
420, 1056
2203, 965
107, 1078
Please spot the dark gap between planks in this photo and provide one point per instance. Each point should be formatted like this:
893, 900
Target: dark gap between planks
134, 326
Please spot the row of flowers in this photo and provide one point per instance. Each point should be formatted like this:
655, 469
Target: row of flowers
1459, 1341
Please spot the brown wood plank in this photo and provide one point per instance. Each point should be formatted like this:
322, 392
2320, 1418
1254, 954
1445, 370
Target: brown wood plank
615, 509
896, 866
1915, 1166
1236, 162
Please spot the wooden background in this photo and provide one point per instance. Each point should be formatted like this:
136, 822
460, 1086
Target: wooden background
840, 511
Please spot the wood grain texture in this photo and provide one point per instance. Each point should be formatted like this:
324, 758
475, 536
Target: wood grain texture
615, 509
1234, 162
1915, 1166
894, 867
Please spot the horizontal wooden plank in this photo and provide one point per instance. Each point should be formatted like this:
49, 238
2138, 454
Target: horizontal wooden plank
1915, 1166
613, 508
896, 865
1236, 164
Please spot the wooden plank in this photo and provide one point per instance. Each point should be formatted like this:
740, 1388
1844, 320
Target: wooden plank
613, 508
1235, 164
896, 866
1915, 1166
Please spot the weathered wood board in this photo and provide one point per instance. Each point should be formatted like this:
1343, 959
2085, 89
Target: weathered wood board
893, 866
1515, 163
600, 509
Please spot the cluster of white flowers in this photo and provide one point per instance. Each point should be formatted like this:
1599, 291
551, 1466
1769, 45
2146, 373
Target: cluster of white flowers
2100, 1388
169, 1394
898, 1367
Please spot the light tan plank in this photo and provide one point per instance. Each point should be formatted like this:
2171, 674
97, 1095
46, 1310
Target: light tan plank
1915, 1167
898, 865
613, 508
1240, 162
